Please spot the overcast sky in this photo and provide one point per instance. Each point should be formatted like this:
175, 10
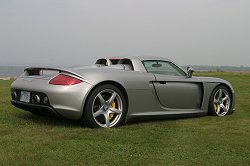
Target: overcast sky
74, 32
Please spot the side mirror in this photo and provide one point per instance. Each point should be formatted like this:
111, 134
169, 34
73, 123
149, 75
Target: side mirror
190, 71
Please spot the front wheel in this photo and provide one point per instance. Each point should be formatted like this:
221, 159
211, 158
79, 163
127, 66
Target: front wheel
105, 107
220, 101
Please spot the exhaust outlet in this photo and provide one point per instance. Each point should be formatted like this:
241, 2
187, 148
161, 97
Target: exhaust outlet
36, 99
14, 95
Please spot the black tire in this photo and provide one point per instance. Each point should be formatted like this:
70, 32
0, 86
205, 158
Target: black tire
95, 112
217, 105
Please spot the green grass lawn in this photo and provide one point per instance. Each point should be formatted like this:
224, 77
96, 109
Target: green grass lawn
26, 139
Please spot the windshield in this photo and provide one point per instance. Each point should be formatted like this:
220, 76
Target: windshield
163, 67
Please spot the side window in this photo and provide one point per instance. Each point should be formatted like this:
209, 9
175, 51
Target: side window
163, 67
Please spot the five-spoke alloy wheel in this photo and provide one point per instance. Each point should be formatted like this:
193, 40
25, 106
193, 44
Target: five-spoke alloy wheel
105, 107
220, 102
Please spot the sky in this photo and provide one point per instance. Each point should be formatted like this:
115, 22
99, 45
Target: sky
77, 32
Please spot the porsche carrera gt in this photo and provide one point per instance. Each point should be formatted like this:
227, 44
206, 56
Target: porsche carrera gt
113, 91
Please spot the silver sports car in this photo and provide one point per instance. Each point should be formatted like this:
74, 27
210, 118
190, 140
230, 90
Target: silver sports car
114, 91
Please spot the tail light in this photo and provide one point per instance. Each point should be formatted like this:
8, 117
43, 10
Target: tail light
65, 80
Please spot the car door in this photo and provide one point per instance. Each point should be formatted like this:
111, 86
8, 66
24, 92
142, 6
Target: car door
173, 88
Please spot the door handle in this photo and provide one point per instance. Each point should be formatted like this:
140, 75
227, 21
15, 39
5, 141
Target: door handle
162, 82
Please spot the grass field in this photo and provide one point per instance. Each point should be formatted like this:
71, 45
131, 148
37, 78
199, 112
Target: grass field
26, 139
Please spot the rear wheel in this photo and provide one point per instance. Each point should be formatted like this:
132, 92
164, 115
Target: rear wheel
220, 101
105, 107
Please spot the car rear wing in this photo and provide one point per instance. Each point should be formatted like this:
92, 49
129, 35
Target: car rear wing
46, 71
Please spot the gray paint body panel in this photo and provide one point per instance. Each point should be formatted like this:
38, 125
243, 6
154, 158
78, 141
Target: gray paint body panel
180, 95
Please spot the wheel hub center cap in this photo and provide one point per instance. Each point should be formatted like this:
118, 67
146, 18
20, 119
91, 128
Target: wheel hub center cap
105, 107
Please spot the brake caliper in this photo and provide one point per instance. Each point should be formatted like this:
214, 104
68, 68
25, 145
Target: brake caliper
215, 106
111, 115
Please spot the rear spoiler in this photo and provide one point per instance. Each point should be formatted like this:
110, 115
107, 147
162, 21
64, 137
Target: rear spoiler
36, 71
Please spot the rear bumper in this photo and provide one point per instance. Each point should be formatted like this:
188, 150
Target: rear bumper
65, 101
39, 109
